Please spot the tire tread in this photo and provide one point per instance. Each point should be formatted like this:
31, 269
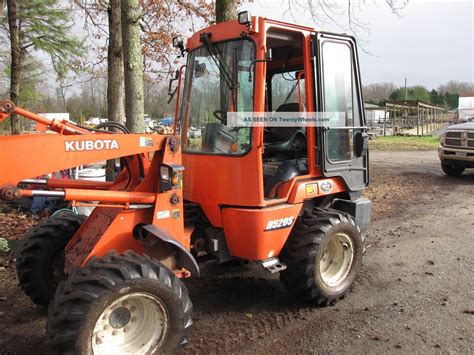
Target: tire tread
82, 287
301, 249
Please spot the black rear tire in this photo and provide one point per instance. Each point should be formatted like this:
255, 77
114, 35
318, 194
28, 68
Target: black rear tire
314, 233
452, 170
40, 262
82, 300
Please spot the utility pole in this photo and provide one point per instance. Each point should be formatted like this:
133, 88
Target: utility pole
406, 91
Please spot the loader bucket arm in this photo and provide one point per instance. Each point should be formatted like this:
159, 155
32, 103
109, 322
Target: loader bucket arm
26, 156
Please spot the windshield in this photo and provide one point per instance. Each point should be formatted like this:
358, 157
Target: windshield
219, 79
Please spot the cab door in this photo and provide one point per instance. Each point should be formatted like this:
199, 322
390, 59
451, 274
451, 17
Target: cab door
342, 148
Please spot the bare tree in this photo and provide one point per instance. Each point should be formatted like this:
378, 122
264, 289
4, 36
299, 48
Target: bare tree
456, 87
133, 65
378, 91
345, 15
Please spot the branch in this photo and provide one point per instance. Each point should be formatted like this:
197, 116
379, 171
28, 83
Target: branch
26, 46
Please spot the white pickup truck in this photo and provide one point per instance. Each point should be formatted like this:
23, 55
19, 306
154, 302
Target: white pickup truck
456, 150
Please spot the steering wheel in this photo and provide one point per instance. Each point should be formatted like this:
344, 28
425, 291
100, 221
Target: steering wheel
297, 141
220, 114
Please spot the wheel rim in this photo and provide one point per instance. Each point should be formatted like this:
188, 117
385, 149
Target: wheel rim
336, 259
136, 323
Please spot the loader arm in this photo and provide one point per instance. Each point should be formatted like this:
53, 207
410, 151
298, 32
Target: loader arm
148, 191
39, 154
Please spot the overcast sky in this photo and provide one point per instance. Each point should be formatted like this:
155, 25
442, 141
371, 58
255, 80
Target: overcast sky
430, 43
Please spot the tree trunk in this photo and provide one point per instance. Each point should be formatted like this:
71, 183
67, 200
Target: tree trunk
226, 10
15, 126
133, 66
115, 84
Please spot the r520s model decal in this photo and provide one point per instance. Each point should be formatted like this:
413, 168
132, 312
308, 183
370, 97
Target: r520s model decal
279, 223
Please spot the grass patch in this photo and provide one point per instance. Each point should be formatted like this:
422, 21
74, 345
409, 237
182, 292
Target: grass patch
404, 143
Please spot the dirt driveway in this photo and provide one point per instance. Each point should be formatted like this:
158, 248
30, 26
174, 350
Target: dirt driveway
415, 293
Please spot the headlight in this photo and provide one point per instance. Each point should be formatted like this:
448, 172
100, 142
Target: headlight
171, 177
178, 42
442, 137
165, 173
244, 18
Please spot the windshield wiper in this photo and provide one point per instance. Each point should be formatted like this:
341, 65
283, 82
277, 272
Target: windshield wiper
224, 70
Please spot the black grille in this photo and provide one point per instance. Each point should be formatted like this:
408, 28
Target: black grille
453, 134
456, 142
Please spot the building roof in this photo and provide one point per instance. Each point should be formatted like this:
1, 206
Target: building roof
466, 103
372, 106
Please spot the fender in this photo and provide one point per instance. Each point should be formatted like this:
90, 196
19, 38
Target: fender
184, 257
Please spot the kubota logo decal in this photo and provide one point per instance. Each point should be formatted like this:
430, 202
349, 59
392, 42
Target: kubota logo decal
81, 146
279, 223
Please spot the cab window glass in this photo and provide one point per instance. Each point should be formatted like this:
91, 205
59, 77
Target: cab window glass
338, 96
212, 91
285, 91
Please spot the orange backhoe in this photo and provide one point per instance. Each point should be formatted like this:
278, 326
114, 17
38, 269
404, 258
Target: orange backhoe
289, 198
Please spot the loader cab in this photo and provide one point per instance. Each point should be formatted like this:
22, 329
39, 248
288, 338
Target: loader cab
268, 66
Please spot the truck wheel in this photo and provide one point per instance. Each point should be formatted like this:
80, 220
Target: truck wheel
119, 304
323, 256
452, 170
40, 262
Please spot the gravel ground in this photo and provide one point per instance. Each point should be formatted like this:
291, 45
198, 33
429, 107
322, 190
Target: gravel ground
415, 293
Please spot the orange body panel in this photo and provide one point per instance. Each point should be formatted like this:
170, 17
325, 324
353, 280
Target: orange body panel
214, 180
249, 234
304, 190
119, 236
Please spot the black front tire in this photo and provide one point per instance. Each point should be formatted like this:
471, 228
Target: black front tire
452, 170
40, 262
307, 246
89, 292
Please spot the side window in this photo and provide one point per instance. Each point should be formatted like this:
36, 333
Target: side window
287, 91
338, 98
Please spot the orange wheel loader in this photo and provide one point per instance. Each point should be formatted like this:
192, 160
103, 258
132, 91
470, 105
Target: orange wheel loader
287, 197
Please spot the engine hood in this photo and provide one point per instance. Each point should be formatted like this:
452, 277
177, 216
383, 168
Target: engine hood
463, 126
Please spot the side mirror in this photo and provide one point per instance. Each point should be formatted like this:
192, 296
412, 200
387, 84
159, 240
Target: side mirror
170, 92
176, 76
361, 144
